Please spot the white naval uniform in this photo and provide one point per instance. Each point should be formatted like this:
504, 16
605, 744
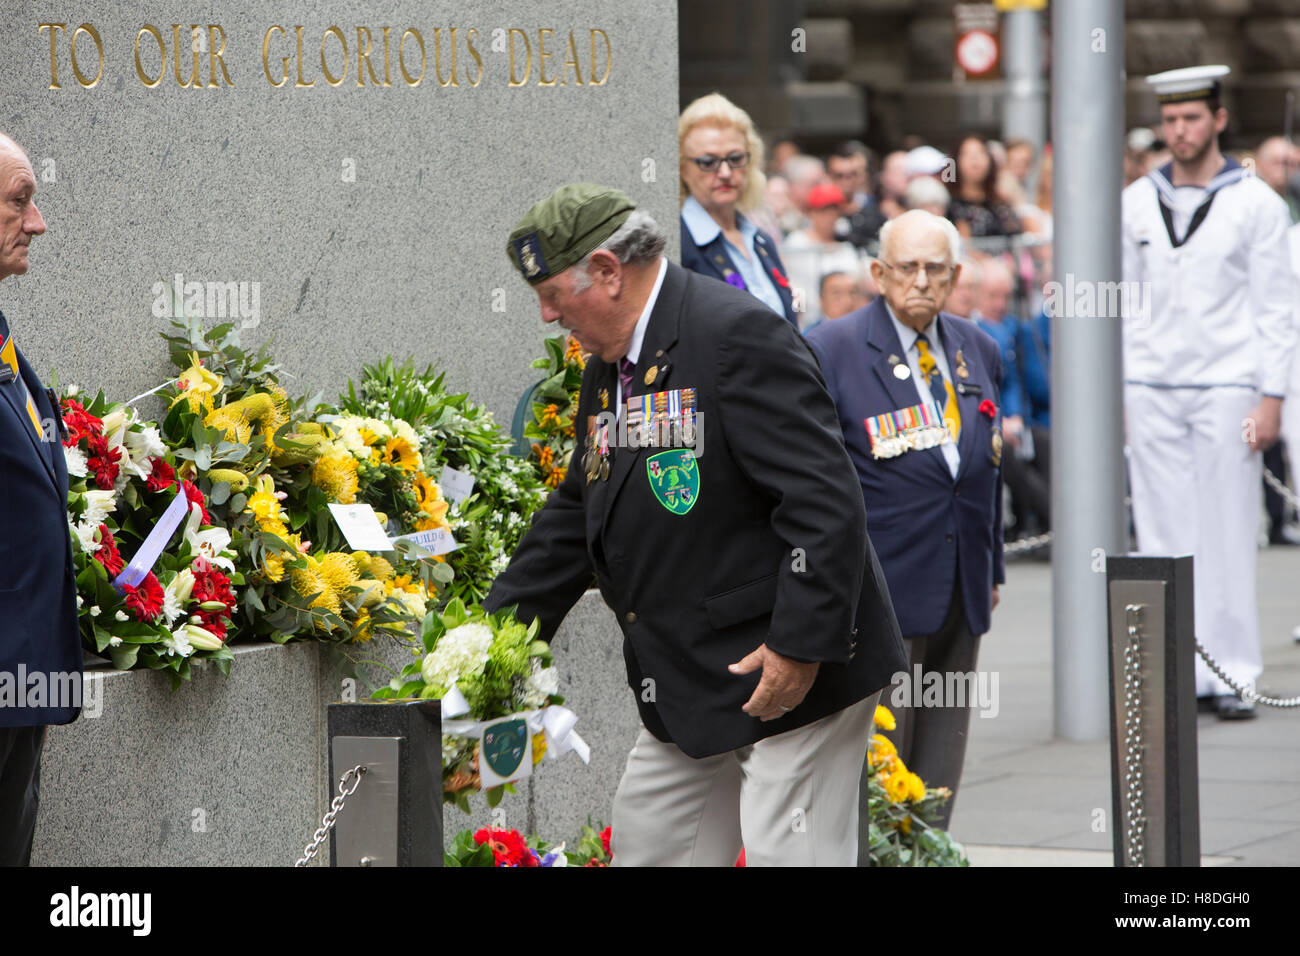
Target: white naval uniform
1216, 334
1291, 410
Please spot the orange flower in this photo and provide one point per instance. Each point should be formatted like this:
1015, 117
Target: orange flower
555, 478
546, 459
551, 413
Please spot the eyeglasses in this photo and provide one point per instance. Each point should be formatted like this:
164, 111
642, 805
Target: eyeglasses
711, 163
934, 271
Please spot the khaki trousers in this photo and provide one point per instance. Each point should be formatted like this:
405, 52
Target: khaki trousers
791, 799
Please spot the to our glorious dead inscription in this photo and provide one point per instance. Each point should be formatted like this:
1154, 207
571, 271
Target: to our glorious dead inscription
197, 56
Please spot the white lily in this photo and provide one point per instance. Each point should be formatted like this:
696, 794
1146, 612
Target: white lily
145, 443
199, 637
176, 594
211, 542
98, 505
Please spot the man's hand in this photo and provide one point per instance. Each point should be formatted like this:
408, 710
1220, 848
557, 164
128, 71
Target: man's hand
995, 596
784, 684
1267, 418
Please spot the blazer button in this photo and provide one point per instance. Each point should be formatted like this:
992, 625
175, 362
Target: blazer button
947, 537
630, 617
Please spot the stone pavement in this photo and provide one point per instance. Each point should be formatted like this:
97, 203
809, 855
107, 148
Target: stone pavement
1028, 799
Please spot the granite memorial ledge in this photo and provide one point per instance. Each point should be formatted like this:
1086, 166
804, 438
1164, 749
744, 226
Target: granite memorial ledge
231, 771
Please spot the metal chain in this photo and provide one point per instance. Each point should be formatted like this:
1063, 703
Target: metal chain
1244, 692
1136, 828
1275, 483
331, 815
1027, 544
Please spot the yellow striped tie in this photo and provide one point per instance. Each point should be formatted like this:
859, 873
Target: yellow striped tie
9, 355
948, 408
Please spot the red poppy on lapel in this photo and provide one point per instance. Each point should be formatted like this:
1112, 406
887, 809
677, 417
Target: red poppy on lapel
988, 408
781, 280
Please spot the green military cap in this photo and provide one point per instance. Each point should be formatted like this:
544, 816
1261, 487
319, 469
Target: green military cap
565, 226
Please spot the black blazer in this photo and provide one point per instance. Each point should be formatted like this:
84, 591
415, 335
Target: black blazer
38, 596
927, 526
773, 550
713, 260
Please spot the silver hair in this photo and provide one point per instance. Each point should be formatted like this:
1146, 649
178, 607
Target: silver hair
949, 230
926, 191
638, 240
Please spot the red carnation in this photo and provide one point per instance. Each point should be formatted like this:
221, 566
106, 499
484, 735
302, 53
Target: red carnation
195, 497
80, 423
162, 477
605, 834
146, 600
988, 408
214, 621
781, 280
108, 555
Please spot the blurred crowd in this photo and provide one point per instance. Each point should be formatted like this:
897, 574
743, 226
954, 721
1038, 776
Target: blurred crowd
823, 214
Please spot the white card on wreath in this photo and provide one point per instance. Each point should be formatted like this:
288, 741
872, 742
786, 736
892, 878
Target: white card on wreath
505, 751
360, 526
456, 485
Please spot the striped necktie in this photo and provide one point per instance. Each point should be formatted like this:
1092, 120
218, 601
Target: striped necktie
625, 370
944, 398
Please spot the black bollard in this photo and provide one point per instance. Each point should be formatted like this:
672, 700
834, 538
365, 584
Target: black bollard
1153, 595
394, 816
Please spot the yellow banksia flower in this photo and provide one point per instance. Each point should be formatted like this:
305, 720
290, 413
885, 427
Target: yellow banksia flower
337, 568
232, 425
380, 568
309, 580
335, 473
370, 591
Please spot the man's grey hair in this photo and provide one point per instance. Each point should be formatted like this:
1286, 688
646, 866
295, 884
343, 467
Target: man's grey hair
949, 230
639, 240
926, 191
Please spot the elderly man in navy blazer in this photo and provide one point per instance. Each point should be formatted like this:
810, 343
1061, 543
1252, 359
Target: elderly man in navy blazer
38, 610
917, 391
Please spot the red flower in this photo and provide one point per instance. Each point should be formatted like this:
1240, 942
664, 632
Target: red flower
508, 847
781, 280
80, 423
604, 839
594, 862
146, 600
195, 497
210, 584
103, 461
988, 409
108, 555
214, 621
740, 860
162, 477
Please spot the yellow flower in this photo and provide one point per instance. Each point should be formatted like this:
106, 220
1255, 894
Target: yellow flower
539, 747
896, 785
545, 458
309, 580
231, 424
427, 493
884, 719
337, 568
915, 788
573, 350
403, 582
263, 504
400, 452
556, 477
197, 385
550, 414
362, 628
273, 566
335, 473
905, 824
881, 752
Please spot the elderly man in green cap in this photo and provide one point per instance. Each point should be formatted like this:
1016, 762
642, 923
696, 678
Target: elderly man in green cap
757, 626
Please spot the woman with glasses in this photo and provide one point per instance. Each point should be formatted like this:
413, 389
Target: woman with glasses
721, 174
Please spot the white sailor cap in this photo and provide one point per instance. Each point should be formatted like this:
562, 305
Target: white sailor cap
1188, 84
925, 161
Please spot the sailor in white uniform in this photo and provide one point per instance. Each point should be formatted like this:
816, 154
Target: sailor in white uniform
1207, 350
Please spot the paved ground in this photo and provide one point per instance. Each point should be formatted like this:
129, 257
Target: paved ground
1029, 799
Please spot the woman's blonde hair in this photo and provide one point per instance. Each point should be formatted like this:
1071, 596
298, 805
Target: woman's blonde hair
718, 111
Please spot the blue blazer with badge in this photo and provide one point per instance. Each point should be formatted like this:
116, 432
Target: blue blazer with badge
713, 259
38, 596
926, 526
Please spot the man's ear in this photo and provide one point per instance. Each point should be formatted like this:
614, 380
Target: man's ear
605, 269
1220, 119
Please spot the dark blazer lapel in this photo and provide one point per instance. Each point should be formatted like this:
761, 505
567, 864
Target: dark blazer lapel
954, 339
13, 393
656, 354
